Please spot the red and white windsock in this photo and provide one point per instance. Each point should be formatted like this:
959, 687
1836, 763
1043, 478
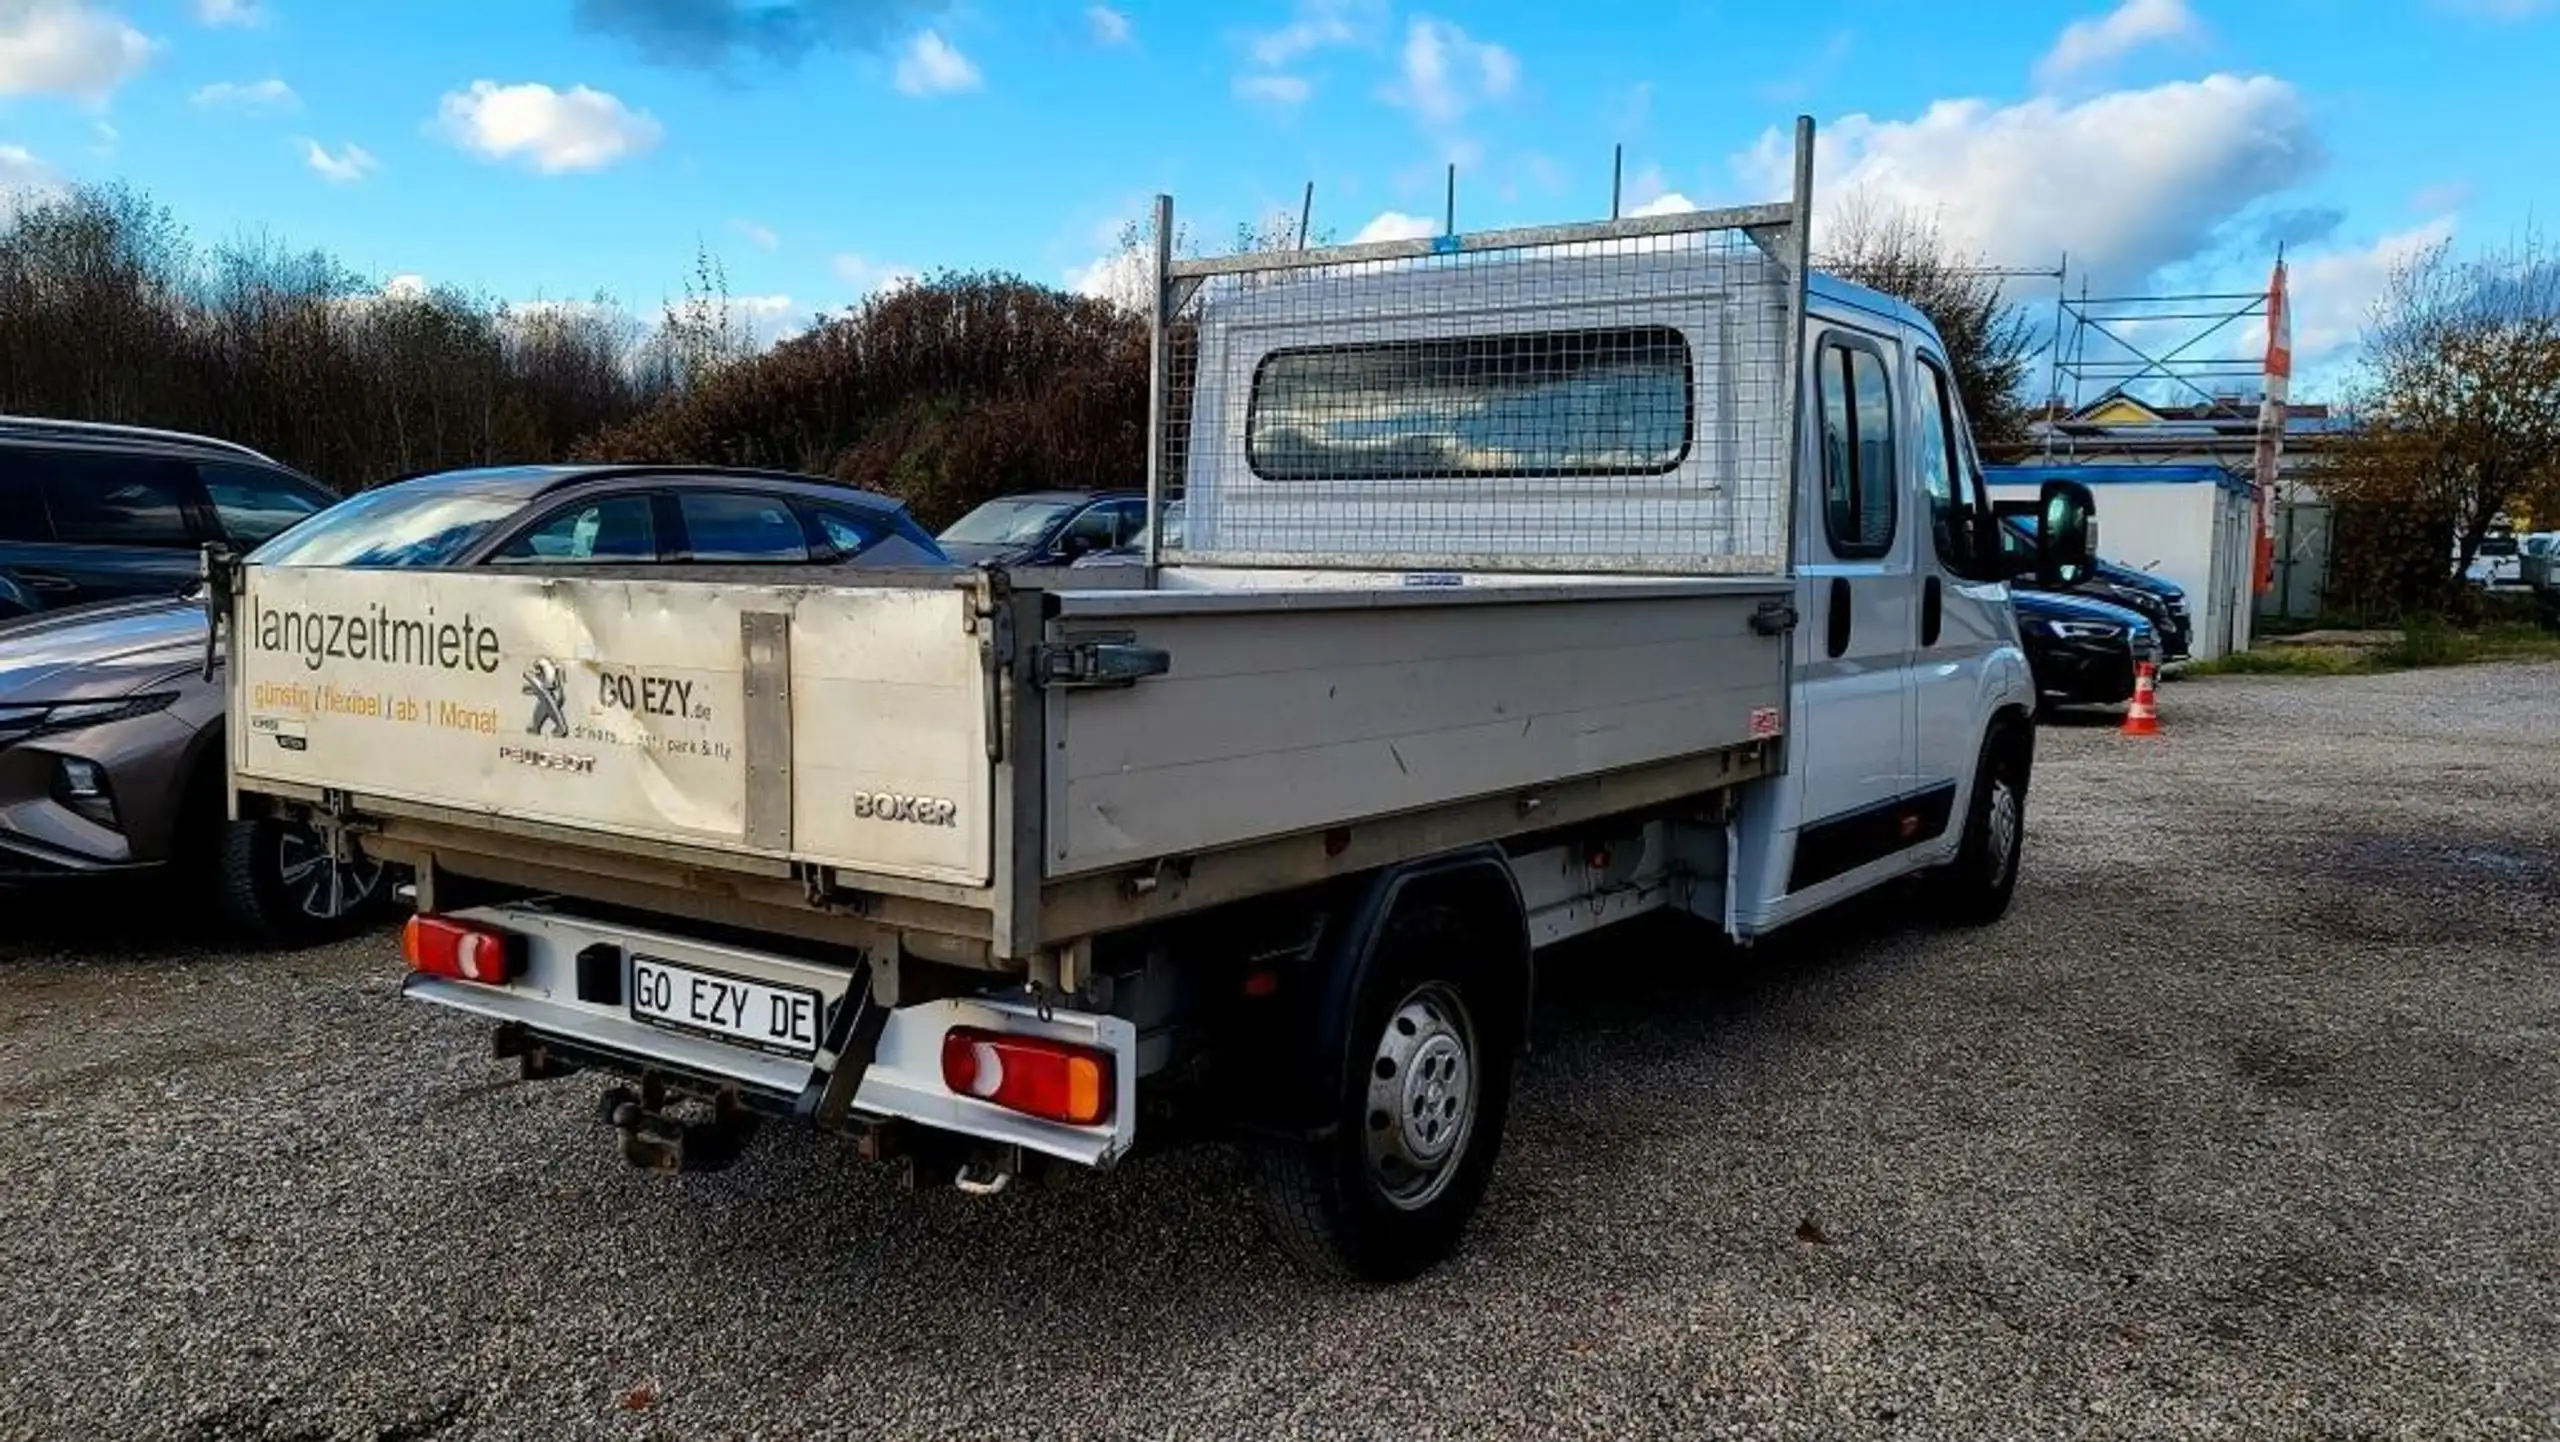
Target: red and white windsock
2279, 381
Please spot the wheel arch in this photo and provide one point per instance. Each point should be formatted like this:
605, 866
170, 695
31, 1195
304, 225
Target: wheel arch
1476, 883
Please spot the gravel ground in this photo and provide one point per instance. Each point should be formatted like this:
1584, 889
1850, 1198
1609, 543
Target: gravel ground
2242, 1124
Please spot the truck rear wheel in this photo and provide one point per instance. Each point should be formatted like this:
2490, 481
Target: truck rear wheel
1418, 1113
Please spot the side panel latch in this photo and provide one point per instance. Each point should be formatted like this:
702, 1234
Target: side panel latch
1099, 661
1774, 618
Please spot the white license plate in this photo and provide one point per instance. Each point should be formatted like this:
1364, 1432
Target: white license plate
752, 1013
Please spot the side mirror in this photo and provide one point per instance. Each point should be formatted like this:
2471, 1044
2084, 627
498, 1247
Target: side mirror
2066, 533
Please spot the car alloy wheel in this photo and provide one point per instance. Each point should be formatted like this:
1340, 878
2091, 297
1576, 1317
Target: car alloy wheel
316, 885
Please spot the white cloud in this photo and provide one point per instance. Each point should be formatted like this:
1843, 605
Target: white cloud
768, 318
1669, 202
1395, 225
867, 276
24, 180
269, 94
554, 131
1446, 73
2128, 27
1109, 26
2333, 291
932, 66
406, 287
1645, 187
1318, 24
1119, 276
237, 13
761, 237
2124, 183
67, 47
1273, 89
350, 164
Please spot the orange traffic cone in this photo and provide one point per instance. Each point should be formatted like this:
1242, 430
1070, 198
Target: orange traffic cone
2142, 716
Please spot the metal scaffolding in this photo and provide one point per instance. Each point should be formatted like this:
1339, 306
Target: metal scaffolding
2200, 355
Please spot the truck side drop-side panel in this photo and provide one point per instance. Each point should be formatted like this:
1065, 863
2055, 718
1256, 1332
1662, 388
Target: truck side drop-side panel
1268, 723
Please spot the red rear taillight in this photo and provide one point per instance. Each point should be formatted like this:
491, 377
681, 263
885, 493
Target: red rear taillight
459, 951
1054, 1080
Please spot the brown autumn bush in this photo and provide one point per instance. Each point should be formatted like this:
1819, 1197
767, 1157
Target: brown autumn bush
942, 393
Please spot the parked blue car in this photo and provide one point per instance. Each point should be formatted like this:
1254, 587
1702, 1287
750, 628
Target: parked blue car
2162, 601
2082, 651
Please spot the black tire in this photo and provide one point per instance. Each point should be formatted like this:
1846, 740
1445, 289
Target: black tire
1974, 889
1331, 1202
266, 896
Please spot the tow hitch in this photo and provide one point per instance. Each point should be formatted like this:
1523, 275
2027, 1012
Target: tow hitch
659, 1142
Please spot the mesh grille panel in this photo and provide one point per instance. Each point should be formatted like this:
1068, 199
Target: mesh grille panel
1498, 403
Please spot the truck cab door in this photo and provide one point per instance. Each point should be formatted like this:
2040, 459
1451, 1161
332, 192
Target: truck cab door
1833, 824
1963, 657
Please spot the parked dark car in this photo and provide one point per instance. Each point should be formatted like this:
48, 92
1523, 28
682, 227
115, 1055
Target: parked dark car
2160, 600
1045, 528
1135, 552
2082, 651
111, 751
94, 512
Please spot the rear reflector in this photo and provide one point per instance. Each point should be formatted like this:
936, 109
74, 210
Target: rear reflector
1054, 1080
459, 951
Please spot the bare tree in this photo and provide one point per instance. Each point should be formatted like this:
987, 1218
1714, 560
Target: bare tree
1988, 340
2458, 402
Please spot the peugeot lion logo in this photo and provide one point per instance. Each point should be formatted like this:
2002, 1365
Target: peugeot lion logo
550, 692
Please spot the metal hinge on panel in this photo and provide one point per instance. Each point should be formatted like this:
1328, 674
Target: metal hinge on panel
989, 617
1774, 618
1098, 661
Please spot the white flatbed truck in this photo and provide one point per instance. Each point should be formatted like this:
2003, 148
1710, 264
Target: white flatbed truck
1531, 581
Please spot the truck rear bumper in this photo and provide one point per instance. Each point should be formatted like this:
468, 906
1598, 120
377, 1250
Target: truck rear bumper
904, 1080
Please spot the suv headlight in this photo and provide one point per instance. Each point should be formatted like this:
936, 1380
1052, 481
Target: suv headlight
27, 722
2084, 630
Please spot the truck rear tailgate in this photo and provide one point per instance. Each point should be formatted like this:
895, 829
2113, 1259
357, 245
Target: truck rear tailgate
843, 725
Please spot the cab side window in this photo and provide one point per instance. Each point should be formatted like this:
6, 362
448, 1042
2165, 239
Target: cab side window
1953, 482
1858, 483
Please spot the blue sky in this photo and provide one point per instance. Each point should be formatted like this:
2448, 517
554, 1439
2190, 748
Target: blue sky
559, 148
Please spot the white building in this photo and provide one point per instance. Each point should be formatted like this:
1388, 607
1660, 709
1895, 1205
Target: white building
2192, 524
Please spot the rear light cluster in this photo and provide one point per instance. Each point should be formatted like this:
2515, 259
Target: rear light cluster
460, 951
1053, 1080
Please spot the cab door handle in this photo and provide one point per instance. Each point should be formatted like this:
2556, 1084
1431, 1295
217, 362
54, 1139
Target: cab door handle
1933, 610
1836, 632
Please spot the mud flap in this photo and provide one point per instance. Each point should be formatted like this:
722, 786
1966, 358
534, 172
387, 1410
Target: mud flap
852, 1043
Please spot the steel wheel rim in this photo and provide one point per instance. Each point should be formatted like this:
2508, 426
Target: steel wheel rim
1422, 1100
2003, 829
316, 886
